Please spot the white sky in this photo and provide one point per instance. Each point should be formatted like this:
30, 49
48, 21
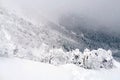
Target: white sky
104, 11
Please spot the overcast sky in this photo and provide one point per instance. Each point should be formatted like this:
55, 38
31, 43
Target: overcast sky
103, 11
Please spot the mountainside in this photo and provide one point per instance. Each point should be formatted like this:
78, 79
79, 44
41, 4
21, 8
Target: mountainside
19, 36
91, 34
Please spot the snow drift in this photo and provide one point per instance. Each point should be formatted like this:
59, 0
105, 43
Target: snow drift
21, 69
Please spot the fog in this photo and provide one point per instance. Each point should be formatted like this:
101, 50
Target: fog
106, 12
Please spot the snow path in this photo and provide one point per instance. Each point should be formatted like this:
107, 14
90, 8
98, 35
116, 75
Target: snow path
21, 69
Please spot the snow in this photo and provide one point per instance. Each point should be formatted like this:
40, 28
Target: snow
90, 59
18, 69
8, 37
24, 36
24, 43
21, 69
98, 58
23, 39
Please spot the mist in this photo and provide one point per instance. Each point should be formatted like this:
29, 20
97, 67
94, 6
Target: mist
105, 12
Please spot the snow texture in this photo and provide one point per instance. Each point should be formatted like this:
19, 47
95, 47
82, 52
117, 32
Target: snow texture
94, 59
21, 69
22, 39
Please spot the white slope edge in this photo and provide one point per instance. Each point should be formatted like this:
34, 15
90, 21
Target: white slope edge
21, 69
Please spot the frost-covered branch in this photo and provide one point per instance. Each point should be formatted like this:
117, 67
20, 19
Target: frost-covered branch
93, 59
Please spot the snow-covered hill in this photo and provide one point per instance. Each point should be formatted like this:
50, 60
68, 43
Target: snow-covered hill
21, 69
92, 34
49, 43
19, 36
69, 50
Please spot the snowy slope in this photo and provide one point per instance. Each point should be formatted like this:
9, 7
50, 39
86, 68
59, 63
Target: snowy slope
19, 36
21, 69
49, 43
91, 33
22, 34
86, 31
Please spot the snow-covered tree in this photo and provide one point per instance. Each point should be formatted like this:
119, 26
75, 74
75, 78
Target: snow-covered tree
58, 56
96, 59
76, 57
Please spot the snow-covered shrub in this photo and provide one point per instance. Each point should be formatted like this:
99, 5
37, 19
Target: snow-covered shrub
41, 53
96, 59
76, 57
58, 56
50, 55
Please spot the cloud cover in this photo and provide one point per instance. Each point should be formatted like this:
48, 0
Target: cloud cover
104, 11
